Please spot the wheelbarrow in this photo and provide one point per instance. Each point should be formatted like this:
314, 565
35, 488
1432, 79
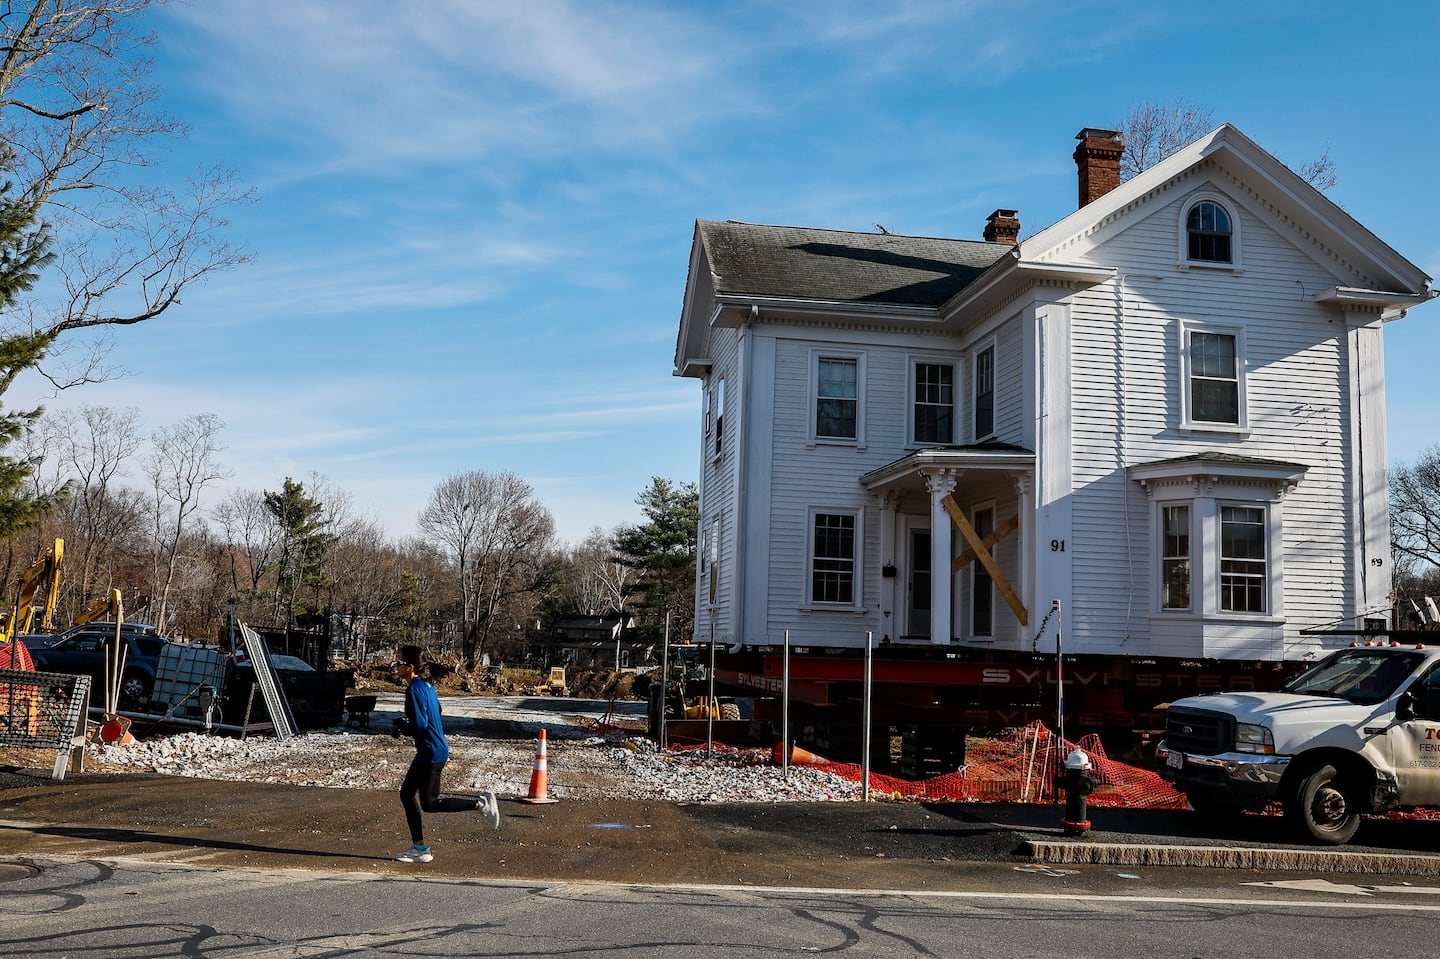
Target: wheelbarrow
358, 709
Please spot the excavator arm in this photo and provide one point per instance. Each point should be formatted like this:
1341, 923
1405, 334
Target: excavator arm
39, 590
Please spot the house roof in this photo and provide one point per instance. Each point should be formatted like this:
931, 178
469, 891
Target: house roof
1307, 211
748, 259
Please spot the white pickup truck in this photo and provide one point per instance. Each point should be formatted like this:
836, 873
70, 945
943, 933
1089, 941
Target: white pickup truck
1357, 733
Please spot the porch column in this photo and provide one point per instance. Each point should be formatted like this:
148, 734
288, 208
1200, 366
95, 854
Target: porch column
888, 502
941, 484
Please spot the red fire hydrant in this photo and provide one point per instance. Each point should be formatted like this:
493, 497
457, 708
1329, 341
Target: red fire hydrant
1077, 783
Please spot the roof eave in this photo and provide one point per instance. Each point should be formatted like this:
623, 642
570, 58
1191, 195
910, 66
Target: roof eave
1349, 296
940, 458
735, 306
1011, 274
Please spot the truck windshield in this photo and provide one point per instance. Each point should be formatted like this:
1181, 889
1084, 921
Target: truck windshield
1359, 675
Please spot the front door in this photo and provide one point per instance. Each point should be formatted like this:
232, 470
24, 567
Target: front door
917, 607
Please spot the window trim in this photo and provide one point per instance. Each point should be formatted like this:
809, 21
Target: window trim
1234, 264
813, 393
915, 362
1207, 487
857, 574
988, 346
1187, 421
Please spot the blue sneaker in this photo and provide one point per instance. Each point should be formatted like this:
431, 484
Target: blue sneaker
415, 854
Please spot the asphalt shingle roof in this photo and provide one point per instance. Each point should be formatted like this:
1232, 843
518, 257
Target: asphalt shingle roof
805, 263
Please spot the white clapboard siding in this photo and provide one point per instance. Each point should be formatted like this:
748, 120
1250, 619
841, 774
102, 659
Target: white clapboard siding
1296, 384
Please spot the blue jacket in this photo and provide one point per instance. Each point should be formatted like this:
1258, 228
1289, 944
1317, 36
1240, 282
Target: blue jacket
422, 721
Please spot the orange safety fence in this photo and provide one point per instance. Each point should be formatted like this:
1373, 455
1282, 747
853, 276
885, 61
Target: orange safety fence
19, 713
1021, 765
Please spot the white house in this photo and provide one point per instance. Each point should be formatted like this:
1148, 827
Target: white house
1165, 412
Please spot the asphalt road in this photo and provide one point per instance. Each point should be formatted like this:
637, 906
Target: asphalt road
134, 909
152, 866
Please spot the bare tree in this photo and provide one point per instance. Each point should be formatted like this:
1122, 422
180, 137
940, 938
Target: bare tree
494, 534
80, 113
599, 580
251, 531
180, 465
1415, 512
95, 446
1153, 130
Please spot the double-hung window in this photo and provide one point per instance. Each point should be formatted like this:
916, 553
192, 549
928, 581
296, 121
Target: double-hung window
832, 559
1242, 559
719, 411
1213, 365
712, 559
1175, 557
984, 395
934, 411
837, 398
982, 592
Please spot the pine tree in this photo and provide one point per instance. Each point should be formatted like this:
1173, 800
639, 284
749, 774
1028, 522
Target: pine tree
661, 550
24, 251
304, 541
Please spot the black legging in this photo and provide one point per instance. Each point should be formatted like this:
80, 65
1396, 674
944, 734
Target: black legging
421, 790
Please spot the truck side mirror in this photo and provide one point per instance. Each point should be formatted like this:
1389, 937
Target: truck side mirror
1419, 702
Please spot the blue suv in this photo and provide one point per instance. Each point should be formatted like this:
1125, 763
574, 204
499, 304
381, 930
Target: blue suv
81, 650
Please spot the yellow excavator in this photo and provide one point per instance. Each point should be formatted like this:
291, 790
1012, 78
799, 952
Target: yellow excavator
39, 590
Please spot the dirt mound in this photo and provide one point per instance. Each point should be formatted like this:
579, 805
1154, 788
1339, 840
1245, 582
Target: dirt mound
602, 684
451, 678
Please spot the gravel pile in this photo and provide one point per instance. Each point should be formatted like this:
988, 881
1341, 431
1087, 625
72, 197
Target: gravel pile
583, 767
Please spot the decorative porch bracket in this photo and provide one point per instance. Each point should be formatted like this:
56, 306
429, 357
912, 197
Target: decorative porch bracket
981, 549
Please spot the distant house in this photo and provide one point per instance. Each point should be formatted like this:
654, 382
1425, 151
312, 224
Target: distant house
1165, 412
590, 641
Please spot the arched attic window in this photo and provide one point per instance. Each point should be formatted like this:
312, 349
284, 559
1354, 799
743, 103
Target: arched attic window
1209, 233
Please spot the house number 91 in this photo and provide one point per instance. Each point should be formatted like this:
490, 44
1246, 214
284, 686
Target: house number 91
1057, 546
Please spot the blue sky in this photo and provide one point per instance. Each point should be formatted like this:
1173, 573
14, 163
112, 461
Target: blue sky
474, 218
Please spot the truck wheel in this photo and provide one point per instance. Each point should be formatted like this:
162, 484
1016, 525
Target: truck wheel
133, 688
729, 711
1322, 806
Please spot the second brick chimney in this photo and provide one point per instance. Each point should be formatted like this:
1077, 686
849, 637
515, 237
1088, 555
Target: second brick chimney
1002, 227
1098, 160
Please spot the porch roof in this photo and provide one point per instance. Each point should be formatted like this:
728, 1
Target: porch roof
979, 456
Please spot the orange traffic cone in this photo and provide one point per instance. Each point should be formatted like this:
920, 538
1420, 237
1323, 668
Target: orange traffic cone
116, 732
540, 778
798, 756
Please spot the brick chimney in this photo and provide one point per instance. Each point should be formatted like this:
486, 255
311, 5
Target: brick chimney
1098, 159
1002, 227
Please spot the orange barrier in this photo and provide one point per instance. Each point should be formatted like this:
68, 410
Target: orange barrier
540, 776
1018, 766
798, 757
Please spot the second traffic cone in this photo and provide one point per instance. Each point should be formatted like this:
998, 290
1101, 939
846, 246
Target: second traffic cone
798, 756
540, 778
